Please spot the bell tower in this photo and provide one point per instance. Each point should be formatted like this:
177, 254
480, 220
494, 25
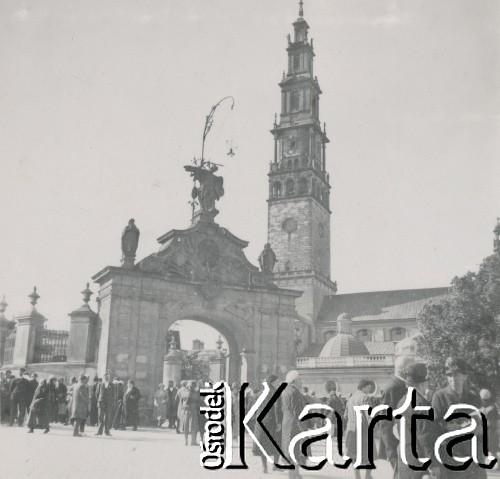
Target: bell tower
299, 188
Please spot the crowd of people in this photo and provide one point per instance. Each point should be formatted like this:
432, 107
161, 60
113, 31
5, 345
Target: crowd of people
110, 404
103, 403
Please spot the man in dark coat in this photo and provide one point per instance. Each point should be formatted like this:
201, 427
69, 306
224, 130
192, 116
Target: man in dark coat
131, 405
19, 395
391, 397
104, 395
456, 393
94, 413
427, 432
171, 404
292, 402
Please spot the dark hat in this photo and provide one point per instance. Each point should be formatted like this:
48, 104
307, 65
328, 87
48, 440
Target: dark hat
365, 382
416, 373
270, 379
455, 365
330, 386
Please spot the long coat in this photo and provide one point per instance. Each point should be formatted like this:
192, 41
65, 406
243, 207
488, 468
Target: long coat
292, 402
272, 422
104, 396
80, 402
189, 404
39, 409
427, 432
388, 441
441, 401
131, 406
170, 404
160, 404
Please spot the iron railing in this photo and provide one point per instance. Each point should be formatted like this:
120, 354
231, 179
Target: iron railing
10, 343
51, 346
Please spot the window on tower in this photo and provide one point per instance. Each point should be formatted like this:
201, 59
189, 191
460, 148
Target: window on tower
297, 62
295, 100
303, 186
290, 187
276, 189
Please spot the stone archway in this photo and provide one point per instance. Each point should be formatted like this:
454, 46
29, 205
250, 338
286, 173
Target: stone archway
199, 274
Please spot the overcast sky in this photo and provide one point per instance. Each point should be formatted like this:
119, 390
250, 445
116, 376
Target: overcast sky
103, 102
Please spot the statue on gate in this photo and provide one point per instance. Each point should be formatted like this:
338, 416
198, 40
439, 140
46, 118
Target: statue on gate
267, 259
209, 187
130, 241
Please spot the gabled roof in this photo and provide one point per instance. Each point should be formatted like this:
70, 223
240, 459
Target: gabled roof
379, 305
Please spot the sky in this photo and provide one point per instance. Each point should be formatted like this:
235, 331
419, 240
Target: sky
103, 102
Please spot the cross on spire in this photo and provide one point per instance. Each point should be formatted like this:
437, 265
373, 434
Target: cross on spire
301, 8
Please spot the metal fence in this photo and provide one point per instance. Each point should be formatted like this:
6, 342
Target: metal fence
51, 346
8, 352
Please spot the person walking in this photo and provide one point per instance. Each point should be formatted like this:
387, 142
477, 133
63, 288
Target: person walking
183, 387
293, 402
18, 396
391, 397
130, 403
94, 413
358, 398
52, 399
61, 401
272, 423
104, 394
33, 385
170, 405
427, 432
39, 409
80, 406
456, 393
189, 403
69, 398
160, 405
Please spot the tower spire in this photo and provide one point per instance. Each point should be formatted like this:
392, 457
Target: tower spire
301, 8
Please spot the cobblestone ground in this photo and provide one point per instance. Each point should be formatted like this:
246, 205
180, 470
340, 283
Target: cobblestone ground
126, 455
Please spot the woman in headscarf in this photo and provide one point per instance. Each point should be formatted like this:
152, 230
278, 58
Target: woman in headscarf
189, 403
358, 398
160, 405
272, 422
39, 409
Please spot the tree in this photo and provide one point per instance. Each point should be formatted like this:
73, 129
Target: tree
463, 325
192, 366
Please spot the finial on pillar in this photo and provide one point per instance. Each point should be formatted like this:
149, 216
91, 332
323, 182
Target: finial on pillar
301, 8
219, 343
173, 344
275, 119
34, 297
87, 294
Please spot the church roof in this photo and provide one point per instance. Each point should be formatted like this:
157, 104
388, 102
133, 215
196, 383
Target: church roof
379, 305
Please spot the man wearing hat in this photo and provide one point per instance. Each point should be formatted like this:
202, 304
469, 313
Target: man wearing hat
456, 393
427, 432
94, 413
293, 403
396, 390
18, 393
104, 396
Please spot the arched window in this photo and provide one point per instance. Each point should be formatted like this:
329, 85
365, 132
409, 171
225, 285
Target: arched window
364, 335
303, 186
276, 189
397, 334
290, 187
295, 100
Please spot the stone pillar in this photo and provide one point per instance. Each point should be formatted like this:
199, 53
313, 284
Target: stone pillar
82, 332
248, 367
218, 363
172, 364
28, 326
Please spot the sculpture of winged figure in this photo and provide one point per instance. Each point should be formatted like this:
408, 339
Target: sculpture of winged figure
210, 189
